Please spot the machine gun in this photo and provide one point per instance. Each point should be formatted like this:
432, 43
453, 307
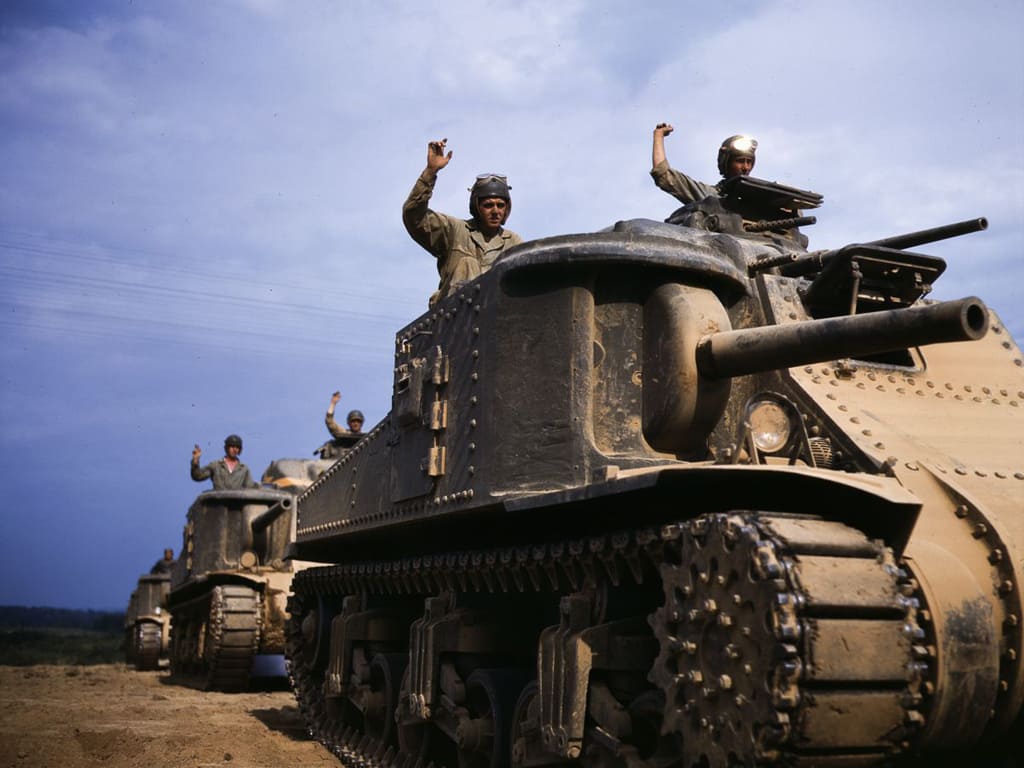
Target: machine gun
878, 274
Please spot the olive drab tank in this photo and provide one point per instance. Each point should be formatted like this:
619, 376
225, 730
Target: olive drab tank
147, 622
678, 493
229, 586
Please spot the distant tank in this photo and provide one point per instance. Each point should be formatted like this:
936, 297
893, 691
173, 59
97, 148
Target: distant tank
678, 494
147, 622
229, 587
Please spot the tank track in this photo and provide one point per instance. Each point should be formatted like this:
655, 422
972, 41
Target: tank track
148, 641
754, 635
215, 636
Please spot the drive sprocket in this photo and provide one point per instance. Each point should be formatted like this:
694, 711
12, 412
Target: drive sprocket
757, 612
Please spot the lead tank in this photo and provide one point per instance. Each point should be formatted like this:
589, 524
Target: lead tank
228, 589
678, 494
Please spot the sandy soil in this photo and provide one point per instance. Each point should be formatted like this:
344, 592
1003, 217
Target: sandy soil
114, 717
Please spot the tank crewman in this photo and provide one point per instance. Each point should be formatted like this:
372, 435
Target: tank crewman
735, 158
464, 248
228, 474
354, 420
163, 565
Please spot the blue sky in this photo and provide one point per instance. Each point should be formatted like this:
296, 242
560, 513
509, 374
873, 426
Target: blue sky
200, 203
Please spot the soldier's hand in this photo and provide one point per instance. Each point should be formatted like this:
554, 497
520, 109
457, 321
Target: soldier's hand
335, 398
663, 128
436, 158
196, 452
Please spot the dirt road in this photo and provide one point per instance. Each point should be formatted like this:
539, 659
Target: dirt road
110, 716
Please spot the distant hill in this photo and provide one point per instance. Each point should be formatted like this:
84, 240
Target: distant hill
21, 617
59, 636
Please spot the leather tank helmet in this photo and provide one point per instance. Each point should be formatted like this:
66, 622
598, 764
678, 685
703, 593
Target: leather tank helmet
490, 185
234, 440
735, 146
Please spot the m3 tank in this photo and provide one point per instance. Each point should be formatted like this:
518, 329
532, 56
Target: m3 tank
678, 493
229, 587
147, 622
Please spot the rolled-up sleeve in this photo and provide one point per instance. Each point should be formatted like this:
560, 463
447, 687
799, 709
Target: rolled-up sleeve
679, 185
428, 228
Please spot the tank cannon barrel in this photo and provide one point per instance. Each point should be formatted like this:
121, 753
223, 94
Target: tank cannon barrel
264, 519
924, 236
753, 350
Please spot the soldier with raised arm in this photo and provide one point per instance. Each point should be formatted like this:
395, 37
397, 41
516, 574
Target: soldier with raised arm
354, 420
228, 473
464, 248
735, 158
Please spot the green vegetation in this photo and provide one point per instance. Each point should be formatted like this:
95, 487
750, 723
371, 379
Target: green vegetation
58, 636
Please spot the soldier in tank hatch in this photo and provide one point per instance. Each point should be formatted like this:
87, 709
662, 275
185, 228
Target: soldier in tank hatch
163, 565
228, 473
341, 439
354, 420
735, 158
464, 248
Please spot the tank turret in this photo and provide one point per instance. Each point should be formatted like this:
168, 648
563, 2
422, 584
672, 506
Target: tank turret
677, 493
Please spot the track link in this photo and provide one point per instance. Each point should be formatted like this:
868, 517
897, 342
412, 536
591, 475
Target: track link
216, 635
148, 642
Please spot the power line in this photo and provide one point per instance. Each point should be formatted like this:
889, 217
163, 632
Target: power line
231, 278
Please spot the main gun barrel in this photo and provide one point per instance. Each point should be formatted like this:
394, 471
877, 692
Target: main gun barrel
766, 348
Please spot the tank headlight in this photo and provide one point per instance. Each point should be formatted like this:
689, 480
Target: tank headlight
770, 426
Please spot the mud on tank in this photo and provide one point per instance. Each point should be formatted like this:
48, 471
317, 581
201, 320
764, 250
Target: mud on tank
678, 493
229, 586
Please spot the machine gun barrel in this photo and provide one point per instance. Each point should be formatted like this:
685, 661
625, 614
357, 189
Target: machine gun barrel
921, 237
767, 348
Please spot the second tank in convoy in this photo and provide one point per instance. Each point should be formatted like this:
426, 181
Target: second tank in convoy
229, 586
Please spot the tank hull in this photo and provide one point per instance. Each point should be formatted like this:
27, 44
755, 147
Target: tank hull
569, 541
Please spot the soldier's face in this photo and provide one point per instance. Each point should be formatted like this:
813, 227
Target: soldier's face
741, 166
492, 212
232, 451
355, 425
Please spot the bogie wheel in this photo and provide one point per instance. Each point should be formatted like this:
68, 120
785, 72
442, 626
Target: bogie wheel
483, 739
421, 740
307, 678
386, 671
526, 748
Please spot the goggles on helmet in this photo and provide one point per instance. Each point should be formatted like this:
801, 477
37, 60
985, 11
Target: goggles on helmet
743, 145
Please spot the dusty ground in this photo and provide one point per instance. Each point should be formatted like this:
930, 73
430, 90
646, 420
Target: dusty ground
114, 717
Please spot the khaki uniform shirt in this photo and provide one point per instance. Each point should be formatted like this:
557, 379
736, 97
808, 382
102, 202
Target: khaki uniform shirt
680, 186
461, 250
223, 478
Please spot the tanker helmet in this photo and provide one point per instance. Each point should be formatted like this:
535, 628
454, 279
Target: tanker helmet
490, 185
355, 416
735, 146
234, 440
